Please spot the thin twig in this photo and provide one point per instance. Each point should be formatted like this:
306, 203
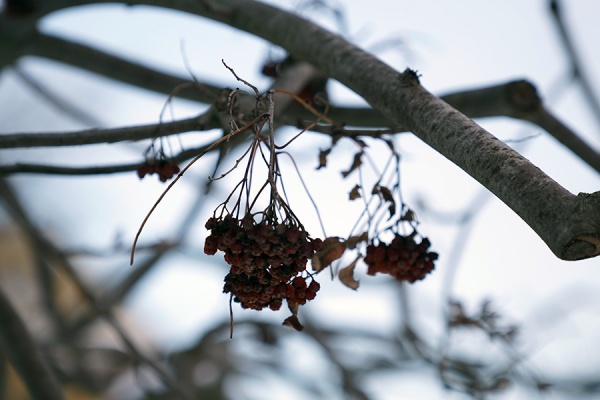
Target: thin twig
307, 191
304, 104
245, 82
206, 150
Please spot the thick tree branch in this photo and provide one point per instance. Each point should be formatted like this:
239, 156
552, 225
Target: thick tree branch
516, 99
570, 225
520, 100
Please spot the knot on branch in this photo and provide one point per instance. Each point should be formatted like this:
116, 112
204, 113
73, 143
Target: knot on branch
409, 78
582, 247
586, 244
522, 96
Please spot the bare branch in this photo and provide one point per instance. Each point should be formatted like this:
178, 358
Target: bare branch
56, 101
114, 67
202, 122
577, 70
21, 168
568, 224
519, 99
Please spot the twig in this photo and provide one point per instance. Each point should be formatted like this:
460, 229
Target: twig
307, 191
311, 109
245, 82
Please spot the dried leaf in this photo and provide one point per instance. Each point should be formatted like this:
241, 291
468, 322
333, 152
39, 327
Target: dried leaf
293, 322
346, 275
353, 241
361, 143
409, 215
355, 164
293, 307
332, 250
392, 209
355, 193
323, 158
386, 194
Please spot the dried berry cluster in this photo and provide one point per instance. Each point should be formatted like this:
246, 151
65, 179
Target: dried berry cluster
265, 261
403, 258
163, 168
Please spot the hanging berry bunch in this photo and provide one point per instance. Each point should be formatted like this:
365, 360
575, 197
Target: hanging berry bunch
157, 162
384, 225
403, 258
267, 250
165, 169
266, 261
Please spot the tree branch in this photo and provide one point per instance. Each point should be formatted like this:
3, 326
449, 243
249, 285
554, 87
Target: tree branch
202, 122
568, 224
114, 67
577, 71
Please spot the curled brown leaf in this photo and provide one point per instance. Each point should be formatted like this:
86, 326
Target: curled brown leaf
353, 241
323, 158
357, 162
346, 275
333, 249
355, 193
293, 322
409, 215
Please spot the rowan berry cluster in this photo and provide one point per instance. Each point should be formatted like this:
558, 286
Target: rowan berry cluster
163, 168
403, 258
266, 261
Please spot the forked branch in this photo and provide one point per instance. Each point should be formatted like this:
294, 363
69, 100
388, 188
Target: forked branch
568, 224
